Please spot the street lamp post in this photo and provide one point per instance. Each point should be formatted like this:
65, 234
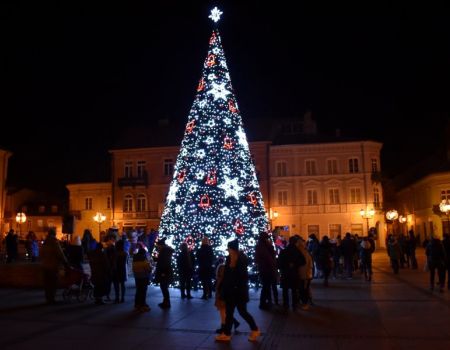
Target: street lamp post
444, 207
392, 215
367, 214
99, 218
273, 216
20, 219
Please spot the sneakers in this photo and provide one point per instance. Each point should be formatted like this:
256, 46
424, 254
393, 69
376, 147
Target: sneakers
254, 335
223, 337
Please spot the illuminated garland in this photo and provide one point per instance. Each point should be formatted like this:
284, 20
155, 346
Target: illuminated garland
214, 191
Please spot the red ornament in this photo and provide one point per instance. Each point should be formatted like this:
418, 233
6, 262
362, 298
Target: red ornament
190, 126
190, 242
211, 179
204, 202
201, 85
238, 227
181, 176
252, 198
232, 107
227, 143
211, 60
212, 39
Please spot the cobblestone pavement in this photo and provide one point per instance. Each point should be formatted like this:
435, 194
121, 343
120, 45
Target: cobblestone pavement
392, 312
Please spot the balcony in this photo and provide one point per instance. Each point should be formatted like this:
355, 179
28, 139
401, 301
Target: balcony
151, 214
133, 181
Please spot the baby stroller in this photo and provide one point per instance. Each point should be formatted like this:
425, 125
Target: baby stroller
77, 285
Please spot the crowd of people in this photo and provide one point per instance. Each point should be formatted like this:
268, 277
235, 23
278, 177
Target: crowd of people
292, 267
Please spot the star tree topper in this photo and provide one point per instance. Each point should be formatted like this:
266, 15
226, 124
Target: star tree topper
215, 14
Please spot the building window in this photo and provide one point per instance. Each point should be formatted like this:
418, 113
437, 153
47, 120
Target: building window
54, 208
168, 167
108, 202
41, 209
353, 165
445, 194
141, 202
282, 198
355, 195
357, 229
311, 167
88, 203
281, 169
374, 165
332, 166
312, 197
376, 198
141, 168
313, 230
128, 170
334, 195
128, 203
335, 230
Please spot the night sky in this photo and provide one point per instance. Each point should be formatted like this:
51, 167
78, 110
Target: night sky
73, 77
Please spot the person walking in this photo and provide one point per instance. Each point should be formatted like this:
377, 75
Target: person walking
288, 262
100, 273
119, 273
305, 272
12, 242
234, 291
366, 258
52, 257
164, 271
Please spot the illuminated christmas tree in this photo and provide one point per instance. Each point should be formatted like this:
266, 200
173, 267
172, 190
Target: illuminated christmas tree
214, 191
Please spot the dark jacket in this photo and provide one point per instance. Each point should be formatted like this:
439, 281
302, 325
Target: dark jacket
164, 270
205, 259
75, 256
235, 281
185, 264
289, 260
435, 252
265, 258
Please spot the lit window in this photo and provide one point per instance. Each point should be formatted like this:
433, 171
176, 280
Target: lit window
128, 203
376, 198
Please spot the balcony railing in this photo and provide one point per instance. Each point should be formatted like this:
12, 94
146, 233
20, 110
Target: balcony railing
151, 214
133, 181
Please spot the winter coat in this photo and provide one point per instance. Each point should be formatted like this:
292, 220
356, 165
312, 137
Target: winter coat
446, 244
305, 271
141, 266
289, 261
52, 256
348, 247
435, 252
219, 302
100, 268
11, 244
120, 272
185, 264
205, 258
265, 259
325, 256
164, 270
235, 281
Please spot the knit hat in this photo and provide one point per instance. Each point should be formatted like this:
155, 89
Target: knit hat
234, 244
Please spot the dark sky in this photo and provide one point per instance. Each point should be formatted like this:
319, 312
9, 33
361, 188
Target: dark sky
73, 77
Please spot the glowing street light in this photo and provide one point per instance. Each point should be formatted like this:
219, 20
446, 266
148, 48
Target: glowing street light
367, 214
20, 219
444, 207
273, 215
99, 217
